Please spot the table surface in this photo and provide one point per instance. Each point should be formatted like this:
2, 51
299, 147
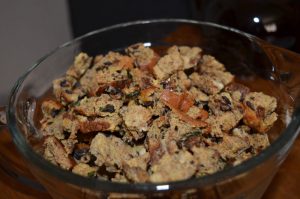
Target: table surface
284, 185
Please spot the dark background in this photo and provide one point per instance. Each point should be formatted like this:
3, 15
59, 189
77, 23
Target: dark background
276, 21
31, 28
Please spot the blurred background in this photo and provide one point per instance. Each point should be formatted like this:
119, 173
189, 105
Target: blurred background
29, 29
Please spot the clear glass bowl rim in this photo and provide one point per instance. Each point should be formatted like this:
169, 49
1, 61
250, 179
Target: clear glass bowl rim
105, 186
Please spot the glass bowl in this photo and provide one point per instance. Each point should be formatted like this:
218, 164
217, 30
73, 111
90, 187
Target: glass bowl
257, 64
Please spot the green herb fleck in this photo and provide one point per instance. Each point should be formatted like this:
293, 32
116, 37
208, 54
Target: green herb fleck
134, 93
129, 74
91, 174
201, 174
108, 108
77, 103
187, 136
193, 133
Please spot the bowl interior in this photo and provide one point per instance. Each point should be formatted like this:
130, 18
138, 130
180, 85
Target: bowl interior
241, 54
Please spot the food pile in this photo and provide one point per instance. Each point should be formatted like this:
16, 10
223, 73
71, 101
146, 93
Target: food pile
143, 117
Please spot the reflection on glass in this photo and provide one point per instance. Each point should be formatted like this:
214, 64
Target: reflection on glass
276, 21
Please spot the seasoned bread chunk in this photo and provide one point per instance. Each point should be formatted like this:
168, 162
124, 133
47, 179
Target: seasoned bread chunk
81, 63
174, 167
167, 65
145, 58
259, 111
55, 152
153, 115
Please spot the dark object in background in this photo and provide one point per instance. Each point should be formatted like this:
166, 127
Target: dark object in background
276, 21
91, 15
